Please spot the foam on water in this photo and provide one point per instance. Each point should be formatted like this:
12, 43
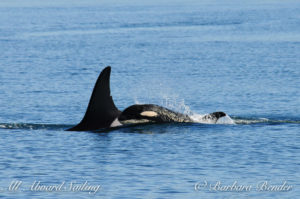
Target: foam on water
250, 121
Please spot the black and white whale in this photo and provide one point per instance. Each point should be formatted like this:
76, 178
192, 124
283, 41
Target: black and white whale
103, 113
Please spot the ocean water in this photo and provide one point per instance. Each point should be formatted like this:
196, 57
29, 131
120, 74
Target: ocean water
194, 57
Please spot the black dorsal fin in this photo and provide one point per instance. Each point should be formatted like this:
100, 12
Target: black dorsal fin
101, 110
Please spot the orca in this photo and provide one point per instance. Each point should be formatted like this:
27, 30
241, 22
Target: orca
102, 112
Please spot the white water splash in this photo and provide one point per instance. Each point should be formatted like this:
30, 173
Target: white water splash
198, 118
178, 106
225, 120
181, 107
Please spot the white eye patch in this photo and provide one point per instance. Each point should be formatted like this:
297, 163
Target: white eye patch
149, 113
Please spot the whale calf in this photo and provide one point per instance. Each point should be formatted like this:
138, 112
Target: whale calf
103, 113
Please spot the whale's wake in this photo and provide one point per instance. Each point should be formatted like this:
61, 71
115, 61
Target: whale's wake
198, 118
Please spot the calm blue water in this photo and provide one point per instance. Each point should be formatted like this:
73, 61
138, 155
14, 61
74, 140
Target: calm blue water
240, 58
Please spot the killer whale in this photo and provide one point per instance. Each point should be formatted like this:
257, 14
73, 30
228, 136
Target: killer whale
103, 113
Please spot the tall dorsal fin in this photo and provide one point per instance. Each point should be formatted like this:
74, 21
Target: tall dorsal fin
101, 110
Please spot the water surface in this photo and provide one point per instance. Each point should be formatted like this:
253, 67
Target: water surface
240, 58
